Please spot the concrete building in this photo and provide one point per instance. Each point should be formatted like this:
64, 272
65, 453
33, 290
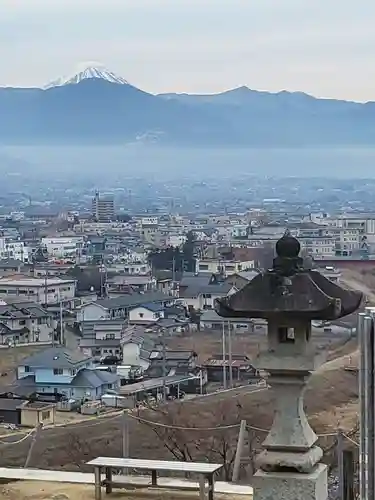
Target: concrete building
103, 209
227, 267
61, 247
13, 249
42, 291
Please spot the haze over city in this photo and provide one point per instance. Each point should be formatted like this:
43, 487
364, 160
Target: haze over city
205, 46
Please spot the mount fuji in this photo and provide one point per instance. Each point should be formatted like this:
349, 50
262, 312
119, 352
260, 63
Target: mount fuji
99, 72
96, 106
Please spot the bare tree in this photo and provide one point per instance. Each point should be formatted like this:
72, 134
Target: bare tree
78, 450
183, 434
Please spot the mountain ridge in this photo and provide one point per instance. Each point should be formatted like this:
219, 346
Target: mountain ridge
97, 106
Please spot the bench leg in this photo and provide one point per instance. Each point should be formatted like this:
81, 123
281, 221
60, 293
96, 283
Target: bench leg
202, 488
108, 479
154, 478
210, 479
98, 486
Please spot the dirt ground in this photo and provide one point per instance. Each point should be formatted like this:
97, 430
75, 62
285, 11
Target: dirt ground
207, 343
363, 281
11, 357
331, 400
33, 490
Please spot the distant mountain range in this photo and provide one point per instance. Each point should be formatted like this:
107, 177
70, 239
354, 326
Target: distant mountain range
97, 106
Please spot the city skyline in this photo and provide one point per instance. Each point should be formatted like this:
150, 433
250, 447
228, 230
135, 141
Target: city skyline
323, 49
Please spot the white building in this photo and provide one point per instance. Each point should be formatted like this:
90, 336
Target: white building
221, 265
175, 240
202, 298
42, 291
61, 247
13, 249
147, 313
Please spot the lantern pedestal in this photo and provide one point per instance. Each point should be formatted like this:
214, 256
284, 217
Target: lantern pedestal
291, 486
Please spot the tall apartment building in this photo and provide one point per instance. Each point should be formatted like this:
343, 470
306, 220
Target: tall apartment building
103, 209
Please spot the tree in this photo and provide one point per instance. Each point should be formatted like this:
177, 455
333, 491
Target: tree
188, 252
167, 259
172, 424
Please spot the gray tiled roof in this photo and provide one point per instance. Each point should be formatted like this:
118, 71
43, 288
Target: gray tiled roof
93, 378
133, 300
22, 310
211, 316
91, 342
55, 357
215, 289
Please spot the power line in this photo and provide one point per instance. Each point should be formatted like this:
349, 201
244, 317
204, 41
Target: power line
180, 428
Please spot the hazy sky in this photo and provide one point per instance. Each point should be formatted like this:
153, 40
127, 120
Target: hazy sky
325, 47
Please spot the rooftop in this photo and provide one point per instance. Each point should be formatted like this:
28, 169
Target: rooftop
148, 385
134, 299
33, 282
55, 357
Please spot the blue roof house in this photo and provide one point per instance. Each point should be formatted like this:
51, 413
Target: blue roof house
70, 373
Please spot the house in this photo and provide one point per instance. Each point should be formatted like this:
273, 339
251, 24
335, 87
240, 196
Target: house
196, 280
122, 283
210, 320
24, 322
26, 413
69, 373
101, 337
203, 297
146, 314
137, 347
222, 265
42, 291
10, 266
119, 307
239, 280
241, 367
177, 362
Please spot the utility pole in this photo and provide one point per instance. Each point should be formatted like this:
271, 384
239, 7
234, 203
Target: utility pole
224, 358
125, 438
230, 355
33, 442
340, 462
239, 450
164, 367
365, 330
62, 340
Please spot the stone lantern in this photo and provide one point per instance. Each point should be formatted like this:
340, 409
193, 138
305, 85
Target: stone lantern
289, 296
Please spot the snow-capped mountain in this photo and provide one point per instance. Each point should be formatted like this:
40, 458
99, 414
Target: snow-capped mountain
87, 73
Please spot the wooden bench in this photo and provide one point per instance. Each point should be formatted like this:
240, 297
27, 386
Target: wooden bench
206, 472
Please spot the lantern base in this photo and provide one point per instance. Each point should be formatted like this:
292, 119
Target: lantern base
291, 485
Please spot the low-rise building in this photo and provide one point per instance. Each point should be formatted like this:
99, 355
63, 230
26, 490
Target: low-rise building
226, 267
101, 337
68, 373
119, 307
46, 291
203, 297
25, 323
146, 314
13, 249
62, 247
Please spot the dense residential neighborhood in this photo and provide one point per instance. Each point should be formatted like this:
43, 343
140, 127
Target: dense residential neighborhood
111, 305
